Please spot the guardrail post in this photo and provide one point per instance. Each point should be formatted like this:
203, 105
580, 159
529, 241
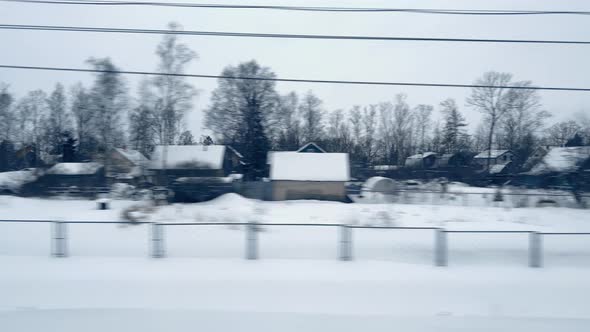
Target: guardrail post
440, 247
59, 241
345, 243
158, 250
535, 250
251, 241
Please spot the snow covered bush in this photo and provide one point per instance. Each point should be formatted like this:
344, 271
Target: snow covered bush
137, 213
122, 191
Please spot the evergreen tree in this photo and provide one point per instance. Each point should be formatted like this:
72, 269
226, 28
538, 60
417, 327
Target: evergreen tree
69, 148
453, 136
240, 112
7, 156
577, 140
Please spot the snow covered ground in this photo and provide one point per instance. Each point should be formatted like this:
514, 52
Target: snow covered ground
140, 294
109, 283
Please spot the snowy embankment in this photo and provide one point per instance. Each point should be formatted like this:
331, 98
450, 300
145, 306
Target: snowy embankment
109, 283
303, 242
97, 294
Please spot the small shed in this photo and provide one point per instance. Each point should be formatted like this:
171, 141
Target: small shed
321, 176
421, 160
495, 157
452, 160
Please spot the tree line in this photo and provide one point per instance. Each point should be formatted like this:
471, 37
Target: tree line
255, 118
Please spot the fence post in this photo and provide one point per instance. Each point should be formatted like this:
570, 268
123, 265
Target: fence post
251, 241
345, 243
440, 247
158, 250
535, 250
59, 242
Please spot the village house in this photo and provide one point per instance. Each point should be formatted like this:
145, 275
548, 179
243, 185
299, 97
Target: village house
304, 175
495, 157
171, 162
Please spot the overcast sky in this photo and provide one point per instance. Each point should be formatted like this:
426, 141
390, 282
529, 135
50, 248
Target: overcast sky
547, 65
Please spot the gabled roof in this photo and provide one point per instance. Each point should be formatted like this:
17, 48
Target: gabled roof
500, 168
75, 168
134, 156
188, 157
311, 145
494, 154
422, 155
293, 166
566, 159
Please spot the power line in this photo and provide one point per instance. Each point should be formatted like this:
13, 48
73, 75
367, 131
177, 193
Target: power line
280, 35
294, 80
439, 11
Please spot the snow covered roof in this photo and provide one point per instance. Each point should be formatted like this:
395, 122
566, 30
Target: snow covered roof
14, 180
133, 156
562, 160
493, 154
422, 155
75, 168
189, 157
295, 166
499, 168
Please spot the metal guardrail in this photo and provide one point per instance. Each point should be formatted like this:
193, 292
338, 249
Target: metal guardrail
59, 238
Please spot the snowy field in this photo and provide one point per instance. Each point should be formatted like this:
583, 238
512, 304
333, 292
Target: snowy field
109, 283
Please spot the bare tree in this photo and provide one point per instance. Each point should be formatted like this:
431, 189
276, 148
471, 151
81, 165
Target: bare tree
339, 138
59, 121
143, 121
108, 102
369, 121
402, 127
7, 118
423, 123
524, 118
559, 133
385, 132
83, 117
173, 95
493, 100
284, 124
32, 115
355, 119
312, 114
